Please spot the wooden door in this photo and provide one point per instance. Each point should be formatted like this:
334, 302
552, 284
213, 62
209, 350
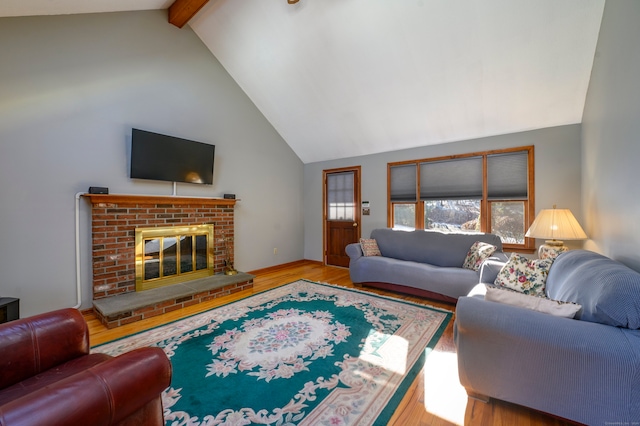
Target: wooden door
341, 213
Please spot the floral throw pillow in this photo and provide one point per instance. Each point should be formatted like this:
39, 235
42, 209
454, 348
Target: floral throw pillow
369, 247
478, 252
528, 276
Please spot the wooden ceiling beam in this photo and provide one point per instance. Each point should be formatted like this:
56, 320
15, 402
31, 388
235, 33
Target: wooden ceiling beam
181, 11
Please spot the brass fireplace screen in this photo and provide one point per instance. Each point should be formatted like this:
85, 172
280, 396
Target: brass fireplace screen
172, 254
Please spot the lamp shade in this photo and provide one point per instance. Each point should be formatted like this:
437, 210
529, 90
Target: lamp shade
556, 224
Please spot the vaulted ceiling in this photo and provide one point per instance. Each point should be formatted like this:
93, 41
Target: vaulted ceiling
341, 78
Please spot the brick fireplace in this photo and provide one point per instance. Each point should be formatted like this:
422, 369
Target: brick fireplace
114, 220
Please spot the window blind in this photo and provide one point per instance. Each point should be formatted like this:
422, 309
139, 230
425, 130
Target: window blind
340, 187
455, 179
403, 183
507, 176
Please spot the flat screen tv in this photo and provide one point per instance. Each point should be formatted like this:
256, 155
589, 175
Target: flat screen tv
161, 157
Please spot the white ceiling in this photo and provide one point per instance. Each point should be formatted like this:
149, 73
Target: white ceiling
70, 7
341, 78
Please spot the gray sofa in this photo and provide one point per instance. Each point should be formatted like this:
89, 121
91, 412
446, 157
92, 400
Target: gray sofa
585, 369
425, 263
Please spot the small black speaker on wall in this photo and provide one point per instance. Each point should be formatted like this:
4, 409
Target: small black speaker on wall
229, 196
98, 190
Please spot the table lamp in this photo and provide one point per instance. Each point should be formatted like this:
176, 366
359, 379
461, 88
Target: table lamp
555, 225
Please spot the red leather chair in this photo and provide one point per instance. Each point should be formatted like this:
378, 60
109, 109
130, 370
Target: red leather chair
48, 377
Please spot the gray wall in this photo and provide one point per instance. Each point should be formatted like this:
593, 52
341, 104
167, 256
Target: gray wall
611, 137
557, 158
71, 89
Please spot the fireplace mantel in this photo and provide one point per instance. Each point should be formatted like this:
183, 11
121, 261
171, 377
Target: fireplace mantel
156, 199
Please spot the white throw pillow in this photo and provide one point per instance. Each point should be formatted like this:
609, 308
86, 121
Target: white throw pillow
536, 303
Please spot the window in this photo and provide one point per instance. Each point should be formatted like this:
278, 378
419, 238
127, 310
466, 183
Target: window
508, 195
507, 220
340, 196
488, 192
452, 215
404, 216
403, 195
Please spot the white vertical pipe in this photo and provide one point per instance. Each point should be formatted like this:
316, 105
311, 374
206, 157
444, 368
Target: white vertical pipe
78, 276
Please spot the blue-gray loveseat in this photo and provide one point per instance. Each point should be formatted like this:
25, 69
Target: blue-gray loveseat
586, 369
424, 263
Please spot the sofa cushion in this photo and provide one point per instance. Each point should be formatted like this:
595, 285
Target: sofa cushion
369, 247
452, 282
536, 303
431, 247
608, 291
477, 254
36, 344
527, 276
51, 376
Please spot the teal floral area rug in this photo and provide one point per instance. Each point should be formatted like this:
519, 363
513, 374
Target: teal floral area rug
300, 354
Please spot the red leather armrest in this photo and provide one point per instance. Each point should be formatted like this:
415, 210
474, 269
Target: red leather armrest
31, 345
102, 395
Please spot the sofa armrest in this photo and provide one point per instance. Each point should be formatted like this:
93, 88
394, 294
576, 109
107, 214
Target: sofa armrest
101, 395
354, 251
583, 371
491, 266
38, 343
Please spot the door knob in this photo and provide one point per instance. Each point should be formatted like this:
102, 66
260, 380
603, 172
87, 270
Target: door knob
355, 223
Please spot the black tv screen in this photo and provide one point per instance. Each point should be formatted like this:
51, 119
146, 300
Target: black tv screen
161, 157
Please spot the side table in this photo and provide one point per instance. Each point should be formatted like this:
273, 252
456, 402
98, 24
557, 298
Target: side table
9, 309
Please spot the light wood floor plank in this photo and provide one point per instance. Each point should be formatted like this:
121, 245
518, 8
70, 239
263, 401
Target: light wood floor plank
435, 397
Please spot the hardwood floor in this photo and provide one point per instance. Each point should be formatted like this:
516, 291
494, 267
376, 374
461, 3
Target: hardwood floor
435, 397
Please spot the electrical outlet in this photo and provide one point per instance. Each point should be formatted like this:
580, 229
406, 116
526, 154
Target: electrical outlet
275, 251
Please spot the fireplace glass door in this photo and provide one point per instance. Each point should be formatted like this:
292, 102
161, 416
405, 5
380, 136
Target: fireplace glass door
173, 254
